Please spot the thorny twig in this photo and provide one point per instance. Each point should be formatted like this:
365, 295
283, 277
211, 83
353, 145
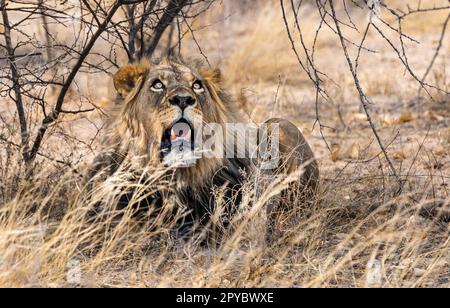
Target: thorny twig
362, 96
329, 18
35, 63
15, 78
436, 53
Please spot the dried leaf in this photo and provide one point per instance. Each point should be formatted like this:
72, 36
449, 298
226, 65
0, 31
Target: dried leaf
345, 151
399, 155
354, 152
404, 118
336, 153
359, 116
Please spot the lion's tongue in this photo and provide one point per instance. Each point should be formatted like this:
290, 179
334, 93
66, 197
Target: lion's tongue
180, 131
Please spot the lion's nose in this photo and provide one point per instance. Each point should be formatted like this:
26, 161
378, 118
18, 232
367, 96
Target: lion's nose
182, 101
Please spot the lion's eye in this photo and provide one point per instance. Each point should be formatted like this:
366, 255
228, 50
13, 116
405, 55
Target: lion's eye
157, 85
197, 86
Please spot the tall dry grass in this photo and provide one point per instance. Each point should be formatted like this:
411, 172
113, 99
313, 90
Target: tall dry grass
358, 232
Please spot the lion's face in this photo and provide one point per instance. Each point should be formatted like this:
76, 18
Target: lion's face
165, 103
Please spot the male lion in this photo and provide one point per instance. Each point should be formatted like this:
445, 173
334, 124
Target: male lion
164, 104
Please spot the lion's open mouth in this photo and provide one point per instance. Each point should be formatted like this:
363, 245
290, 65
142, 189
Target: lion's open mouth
177, 145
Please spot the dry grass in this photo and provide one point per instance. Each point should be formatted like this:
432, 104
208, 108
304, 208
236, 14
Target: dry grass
357, 233
355, 222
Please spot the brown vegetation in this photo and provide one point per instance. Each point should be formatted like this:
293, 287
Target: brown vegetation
380, 219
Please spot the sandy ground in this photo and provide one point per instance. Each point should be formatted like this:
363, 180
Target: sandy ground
257, 60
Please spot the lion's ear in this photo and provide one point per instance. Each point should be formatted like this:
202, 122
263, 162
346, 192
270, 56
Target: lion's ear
126, 77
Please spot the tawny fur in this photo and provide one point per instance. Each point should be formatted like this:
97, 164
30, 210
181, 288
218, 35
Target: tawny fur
134, 133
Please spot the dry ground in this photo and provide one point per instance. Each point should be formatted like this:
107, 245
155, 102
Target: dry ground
359, 232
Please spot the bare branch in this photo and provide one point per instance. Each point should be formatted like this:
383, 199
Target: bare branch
436, 53
171, 12
15, 78
362, 96
50, 119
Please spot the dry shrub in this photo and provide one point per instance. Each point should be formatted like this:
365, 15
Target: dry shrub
357, 232
264, 53
423, 22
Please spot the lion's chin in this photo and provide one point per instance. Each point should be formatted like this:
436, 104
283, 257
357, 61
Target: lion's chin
181, 157
196, 175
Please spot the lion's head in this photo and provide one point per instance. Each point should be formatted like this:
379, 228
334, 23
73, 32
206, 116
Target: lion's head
164, 102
